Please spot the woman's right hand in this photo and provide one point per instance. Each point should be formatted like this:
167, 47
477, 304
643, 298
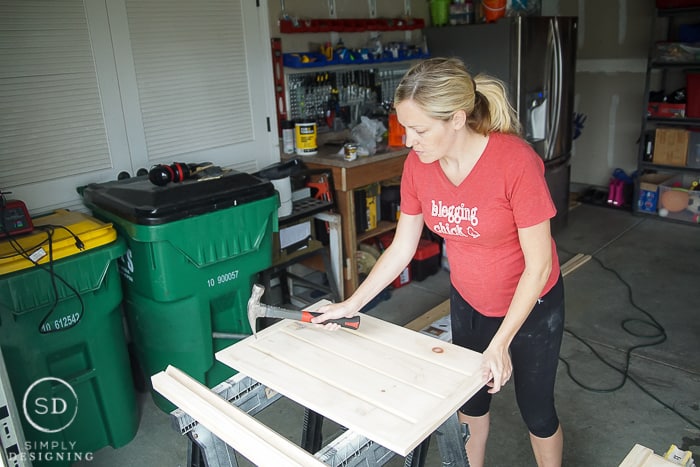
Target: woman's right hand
335, 311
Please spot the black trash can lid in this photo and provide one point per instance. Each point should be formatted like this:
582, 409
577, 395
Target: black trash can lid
139, 201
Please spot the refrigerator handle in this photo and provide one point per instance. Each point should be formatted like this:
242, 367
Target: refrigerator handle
556, 87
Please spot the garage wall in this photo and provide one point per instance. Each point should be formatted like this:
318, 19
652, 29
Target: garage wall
92, 89
613, 44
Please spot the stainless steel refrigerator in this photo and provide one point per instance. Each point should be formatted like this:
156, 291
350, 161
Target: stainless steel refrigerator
536, 57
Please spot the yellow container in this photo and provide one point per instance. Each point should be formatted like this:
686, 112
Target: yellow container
54, 235
305, 141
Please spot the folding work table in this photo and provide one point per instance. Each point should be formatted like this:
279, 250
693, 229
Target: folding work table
391, 387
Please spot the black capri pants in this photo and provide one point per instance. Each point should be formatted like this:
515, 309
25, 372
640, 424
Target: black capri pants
534, 353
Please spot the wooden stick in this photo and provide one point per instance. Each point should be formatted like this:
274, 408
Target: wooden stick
574, 263
430, 316
255, 441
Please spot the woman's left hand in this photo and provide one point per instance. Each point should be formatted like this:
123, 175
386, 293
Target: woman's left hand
497, 367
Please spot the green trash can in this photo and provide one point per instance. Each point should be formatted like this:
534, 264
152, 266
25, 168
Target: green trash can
194, 250
63, 341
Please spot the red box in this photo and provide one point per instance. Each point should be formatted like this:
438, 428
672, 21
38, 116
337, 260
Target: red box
666, 110
692, 89
677, 3
405, 276
426, 261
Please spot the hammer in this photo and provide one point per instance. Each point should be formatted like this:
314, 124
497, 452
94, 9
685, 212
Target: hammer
260, 310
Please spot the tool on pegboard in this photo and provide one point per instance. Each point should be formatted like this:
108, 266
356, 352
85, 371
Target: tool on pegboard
278, 72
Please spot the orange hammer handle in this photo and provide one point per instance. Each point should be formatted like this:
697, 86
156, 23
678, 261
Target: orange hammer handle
351, 323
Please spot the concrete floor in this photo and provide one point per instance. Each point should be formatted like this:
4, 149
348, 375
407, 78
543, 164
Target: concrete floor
642, 281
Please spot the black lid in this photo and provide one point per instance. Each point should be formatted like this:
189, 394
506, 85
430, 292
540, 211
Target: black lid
282, 169
139, 201
287, 124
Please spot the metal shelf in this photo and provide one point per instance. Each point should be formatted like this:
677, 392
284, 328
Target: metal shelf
674, 121
306, 207
650, 124
667, 168
670, 12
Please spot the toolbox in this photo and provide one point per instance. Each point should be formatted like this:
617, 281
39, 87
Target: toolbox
426, 261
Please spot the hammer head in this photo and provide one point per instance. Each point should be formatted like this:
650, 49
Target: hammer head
255, 310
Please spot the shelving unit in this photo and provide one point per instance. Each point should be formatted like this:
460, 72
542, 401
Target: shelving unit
670, 72
335, 90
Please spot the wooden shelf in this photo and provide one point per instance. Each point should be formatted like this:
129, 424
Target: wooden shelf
347, 177
382, 227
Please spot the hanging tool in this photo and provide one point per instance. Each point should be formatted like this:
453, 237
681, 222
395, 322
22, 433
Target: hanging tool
260, 310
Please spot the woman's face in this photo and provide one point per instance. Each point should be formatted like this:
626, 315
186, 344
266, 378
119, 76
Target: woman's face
430, 138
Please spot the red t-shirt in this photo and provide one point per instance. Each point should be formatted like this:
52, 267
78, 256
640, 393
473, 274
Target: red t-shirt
479, 219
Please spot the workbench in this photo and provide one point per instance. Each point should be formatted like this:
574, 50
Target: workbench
392, 388
349, 176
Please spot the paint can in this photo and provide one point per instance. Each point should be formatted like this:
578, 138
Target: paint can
350, 151
305, 138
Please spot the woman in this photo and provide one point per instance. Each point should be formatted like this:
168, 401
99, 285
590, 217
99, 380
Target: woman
472, 180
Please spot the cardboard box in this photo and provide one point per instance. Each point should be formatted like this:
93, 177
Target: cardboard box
372, 204
671, 146
367, 207
678, 201
440, 329
649, 191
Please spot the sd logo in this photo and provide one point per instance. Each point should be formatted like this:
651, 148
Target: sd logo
50, 404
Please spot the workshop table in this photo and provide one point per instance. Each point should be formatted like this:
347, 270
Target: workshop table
389, 384
349, 176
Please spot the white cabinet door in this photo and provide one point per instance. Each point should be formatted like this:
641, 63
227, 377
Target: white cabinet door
92, 88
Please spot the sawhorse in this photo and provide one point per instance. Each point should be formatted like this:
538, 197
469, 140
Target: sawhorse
350, 449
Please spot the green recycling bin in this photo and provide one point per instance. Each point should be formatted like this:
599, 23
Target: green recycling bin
194, 250
63, 342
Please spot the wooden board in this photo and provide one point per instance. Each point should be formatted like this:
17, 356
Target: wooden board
390, 384
429, 317
641, 456
574, 263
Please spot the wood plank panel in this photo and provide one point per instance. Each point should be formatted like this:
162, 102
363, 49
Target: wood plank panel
390, 384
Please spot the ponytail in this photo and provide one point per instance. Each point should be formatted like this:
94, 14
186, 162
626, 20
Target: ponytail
442, 86
492, 110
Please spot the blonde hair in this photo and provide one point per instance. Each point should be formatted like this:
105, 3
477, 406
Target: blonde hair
443, 86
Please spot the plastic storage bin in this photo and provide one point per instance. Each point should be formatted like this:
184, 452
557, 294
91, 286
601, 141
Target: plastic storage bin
194, 249
679, 198
83, 344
